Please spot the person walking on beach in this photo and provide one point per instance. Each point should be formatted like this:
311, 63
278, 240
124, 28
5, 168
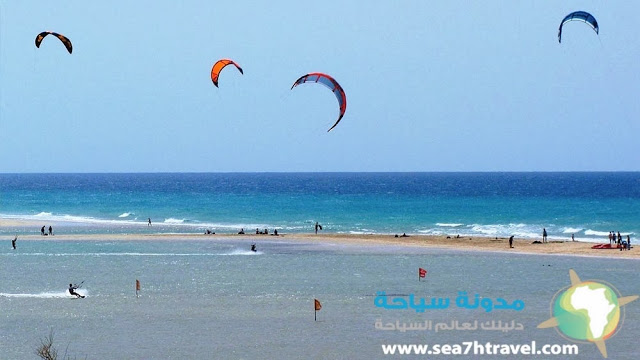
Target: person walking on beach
50, 230
42, 230
628, 242
544, 235
511, 242
610, 238
13, 242
573, 238
318, 227
149, 224
619, 238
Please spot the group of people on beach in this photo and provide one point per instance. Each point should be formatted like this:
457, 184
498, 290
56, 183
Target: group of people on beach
43, 233
259, 232
618, 241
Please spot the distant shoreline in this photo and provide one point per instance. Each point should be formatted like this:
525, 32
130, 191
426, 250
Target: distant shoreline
486, 244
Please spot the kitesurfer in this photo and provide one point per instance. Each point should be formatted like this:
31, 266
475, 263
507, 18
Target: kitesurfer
72, 291
253, 247
13, 242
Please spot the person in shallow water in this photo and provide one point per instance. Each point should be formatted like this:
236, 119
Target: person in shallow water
253, 247
72, 291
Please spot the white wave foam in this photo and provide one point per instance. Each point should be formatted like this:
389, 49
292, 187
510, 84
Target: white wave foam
361, 232
243, 252
124, 215
122, 221
112, 254
46, 295
569, 230
174, 221
449, 225
500, 229
431, 232
596, 233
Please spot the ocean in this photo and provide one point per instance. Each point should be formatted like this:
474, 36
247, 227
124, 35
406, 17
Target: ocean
212, 298
587, 205
203, 299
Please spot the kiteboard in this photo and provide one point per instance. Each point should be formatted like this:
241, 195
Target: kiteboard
82, 296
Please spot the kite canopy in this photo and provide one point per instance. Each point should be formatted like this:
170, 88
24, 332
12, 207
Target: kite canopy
218, 66
332, 84
62, 38
579, 16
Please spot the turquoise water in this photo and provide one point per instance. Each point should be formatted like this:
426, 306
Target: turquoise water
216, 300
588, 205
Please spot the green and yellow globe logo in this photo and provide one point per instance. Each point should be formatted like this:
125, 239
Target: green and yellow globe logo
587, 311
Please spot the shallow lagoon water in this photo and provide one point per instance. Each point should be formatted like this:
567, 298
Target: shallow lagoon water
216, 299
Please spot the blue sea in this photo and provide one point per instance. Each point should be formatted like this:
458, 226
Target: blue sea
588, 205
212, 298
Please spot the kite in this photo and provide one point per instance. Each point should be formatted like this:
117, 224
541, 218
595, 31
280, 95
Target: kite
218, 66
579, 16
64, 39
332, 84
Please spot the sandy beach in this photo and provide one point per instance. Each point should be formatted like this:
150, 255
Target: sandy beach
500, 244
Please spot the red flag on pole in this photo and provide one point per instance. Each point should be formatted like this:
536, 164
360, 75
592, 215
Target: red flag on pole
317, 308
421, 273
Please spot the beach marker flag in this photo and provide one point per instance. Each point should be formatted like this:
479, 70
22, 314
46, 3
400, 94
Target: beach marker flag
317, 308
421, 273
137, 287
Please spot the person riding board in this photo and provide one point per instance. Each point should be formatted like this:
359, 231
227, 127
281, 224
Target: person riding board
253, 247
72, 291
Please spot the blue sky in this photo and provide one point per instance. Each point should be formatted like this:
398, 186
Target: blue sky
431, 86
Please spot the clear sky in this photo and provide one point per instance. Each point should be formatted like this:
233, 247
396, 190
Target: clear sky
432, 85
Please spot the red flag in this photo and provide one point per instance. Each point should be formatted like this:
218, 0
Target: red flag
318, 305
422, 272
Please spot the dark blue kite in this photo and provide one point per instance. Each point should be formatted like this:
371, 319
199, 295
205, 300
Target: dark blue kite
578, 16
